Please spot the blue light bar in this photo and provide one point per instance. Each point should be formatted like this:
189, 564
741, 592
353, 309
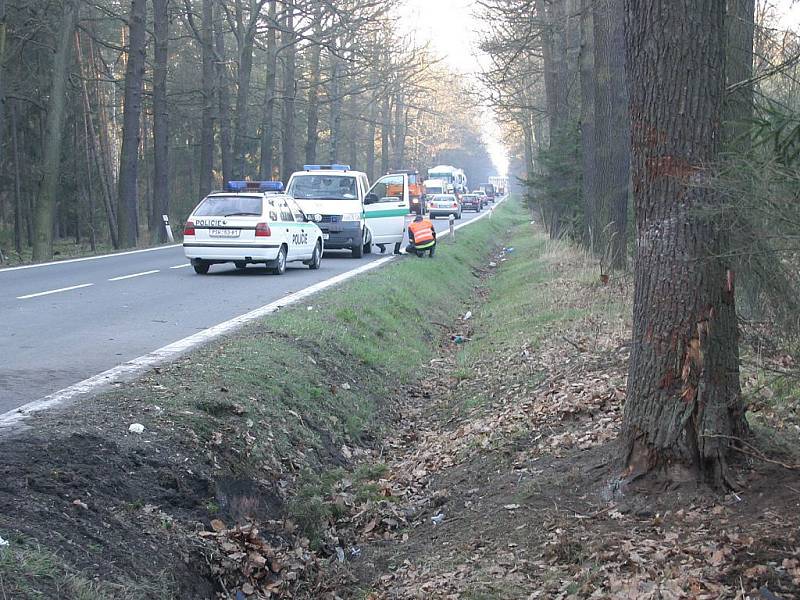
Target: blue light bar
326, 167
254, 186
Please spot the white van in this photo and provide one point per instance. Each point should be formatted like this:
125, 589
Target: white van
352, 215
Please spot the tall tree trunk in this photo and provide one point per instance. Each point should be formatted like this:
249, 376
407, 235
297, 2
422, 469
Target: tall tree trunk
288, 40
45, 208
613, 137
386, 124
128, 185
399, 129
271, 79
244, 74
3, 111
19, 217
222, 92
588, 141
370, 147
161, 200
312, 122
684, 398
738, 106
336, 111
209, 85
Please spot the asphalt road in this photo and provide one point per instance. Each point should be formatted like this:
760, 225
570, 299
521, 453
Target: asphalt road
61, 323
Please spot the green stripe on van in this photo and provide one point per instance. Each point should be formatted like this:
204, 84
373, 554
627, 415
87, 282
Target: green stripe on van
394, 212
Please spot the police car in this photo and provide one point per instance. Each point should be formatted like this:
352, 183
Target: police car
251, 222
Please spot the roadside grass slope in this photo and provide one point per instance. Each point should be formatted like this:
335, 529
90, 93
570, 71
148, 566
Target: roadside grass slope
251, 427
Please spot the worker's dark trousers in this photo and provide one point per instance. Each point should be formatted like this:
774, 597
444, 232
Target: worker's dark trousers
412, 249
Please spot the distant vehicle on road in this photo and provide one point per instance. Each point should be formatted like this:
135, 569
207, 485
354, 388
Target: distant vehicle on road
488, 189
444, 205
472, 202
251, 222
351, 215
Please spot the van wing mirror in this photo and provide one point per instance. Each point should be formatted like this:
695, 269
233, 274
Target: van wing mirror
370, 198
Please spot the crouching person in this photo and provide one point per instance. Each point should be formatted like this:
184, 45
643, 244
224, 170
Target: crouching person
421, 237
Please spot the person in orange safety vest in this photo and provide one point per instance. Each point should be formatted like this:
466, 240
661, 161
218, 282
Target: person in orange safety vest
421, 237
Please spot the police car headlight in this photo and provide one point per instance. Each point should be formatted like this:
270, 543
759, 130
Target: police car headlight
351, 217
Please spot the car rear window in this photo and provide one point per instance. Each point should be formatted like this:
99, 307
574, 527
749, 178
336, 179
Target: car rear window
229, 206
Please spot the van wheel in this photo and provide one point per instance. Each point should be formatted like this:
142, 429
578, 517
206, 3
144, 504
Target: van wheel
316, 258
368, 247
358, 249
201, 267
279, 267
240, 264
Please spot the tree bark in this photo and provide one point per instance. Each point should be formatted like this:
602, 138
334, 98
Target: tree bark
128, 184
18, 215
161, 199
221, 90
683, 395
335, 110
3, 111
738, 106
288, 40
209, 85
45, 207
612, 130
244, 73
312, 121
271, 79
386, 124
371, 131
588, 135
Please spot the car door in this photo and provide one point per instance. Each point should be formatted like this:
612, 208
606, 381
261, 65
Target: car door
304, 231
386, 207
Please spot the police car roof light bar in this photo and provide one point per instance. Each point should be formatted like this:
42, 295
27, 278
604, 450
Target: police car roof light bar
326, 167
257, 186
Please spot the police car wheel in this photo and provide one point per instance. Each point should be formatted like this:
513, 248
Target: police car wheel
280, 262
201, 268
316, 258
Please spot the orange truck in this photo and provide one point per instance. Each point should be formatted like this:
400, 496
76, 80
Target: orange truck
415, 191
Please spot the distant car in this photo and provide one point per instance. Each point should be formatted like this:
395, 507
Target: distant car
471, 202
251, 222
444, 205
484, 199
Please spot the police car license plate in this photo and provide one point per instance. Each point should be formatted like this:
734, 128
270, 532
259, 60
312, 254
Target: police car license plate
227, 233
326, 236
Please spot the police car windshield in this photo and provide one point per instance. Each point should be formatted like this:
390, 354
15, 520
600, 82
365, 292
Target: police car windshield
323, 187
229, 206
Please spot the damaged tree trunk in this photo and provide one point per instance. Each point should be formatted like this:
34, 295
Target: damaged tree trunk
684, 403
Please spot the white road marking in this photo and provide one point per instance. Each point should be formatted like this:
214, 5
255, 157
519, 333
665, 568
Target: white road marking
134, 275
74, 260
180, 266
47, 293
131, 369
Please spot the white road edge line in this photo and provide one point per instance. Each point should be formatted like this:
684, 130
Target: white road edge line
120, 278
84, 258
180, 266
129, 370
47, 293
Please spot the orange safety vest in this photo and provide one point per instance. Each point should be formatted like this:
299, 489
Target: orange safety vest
422, 232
